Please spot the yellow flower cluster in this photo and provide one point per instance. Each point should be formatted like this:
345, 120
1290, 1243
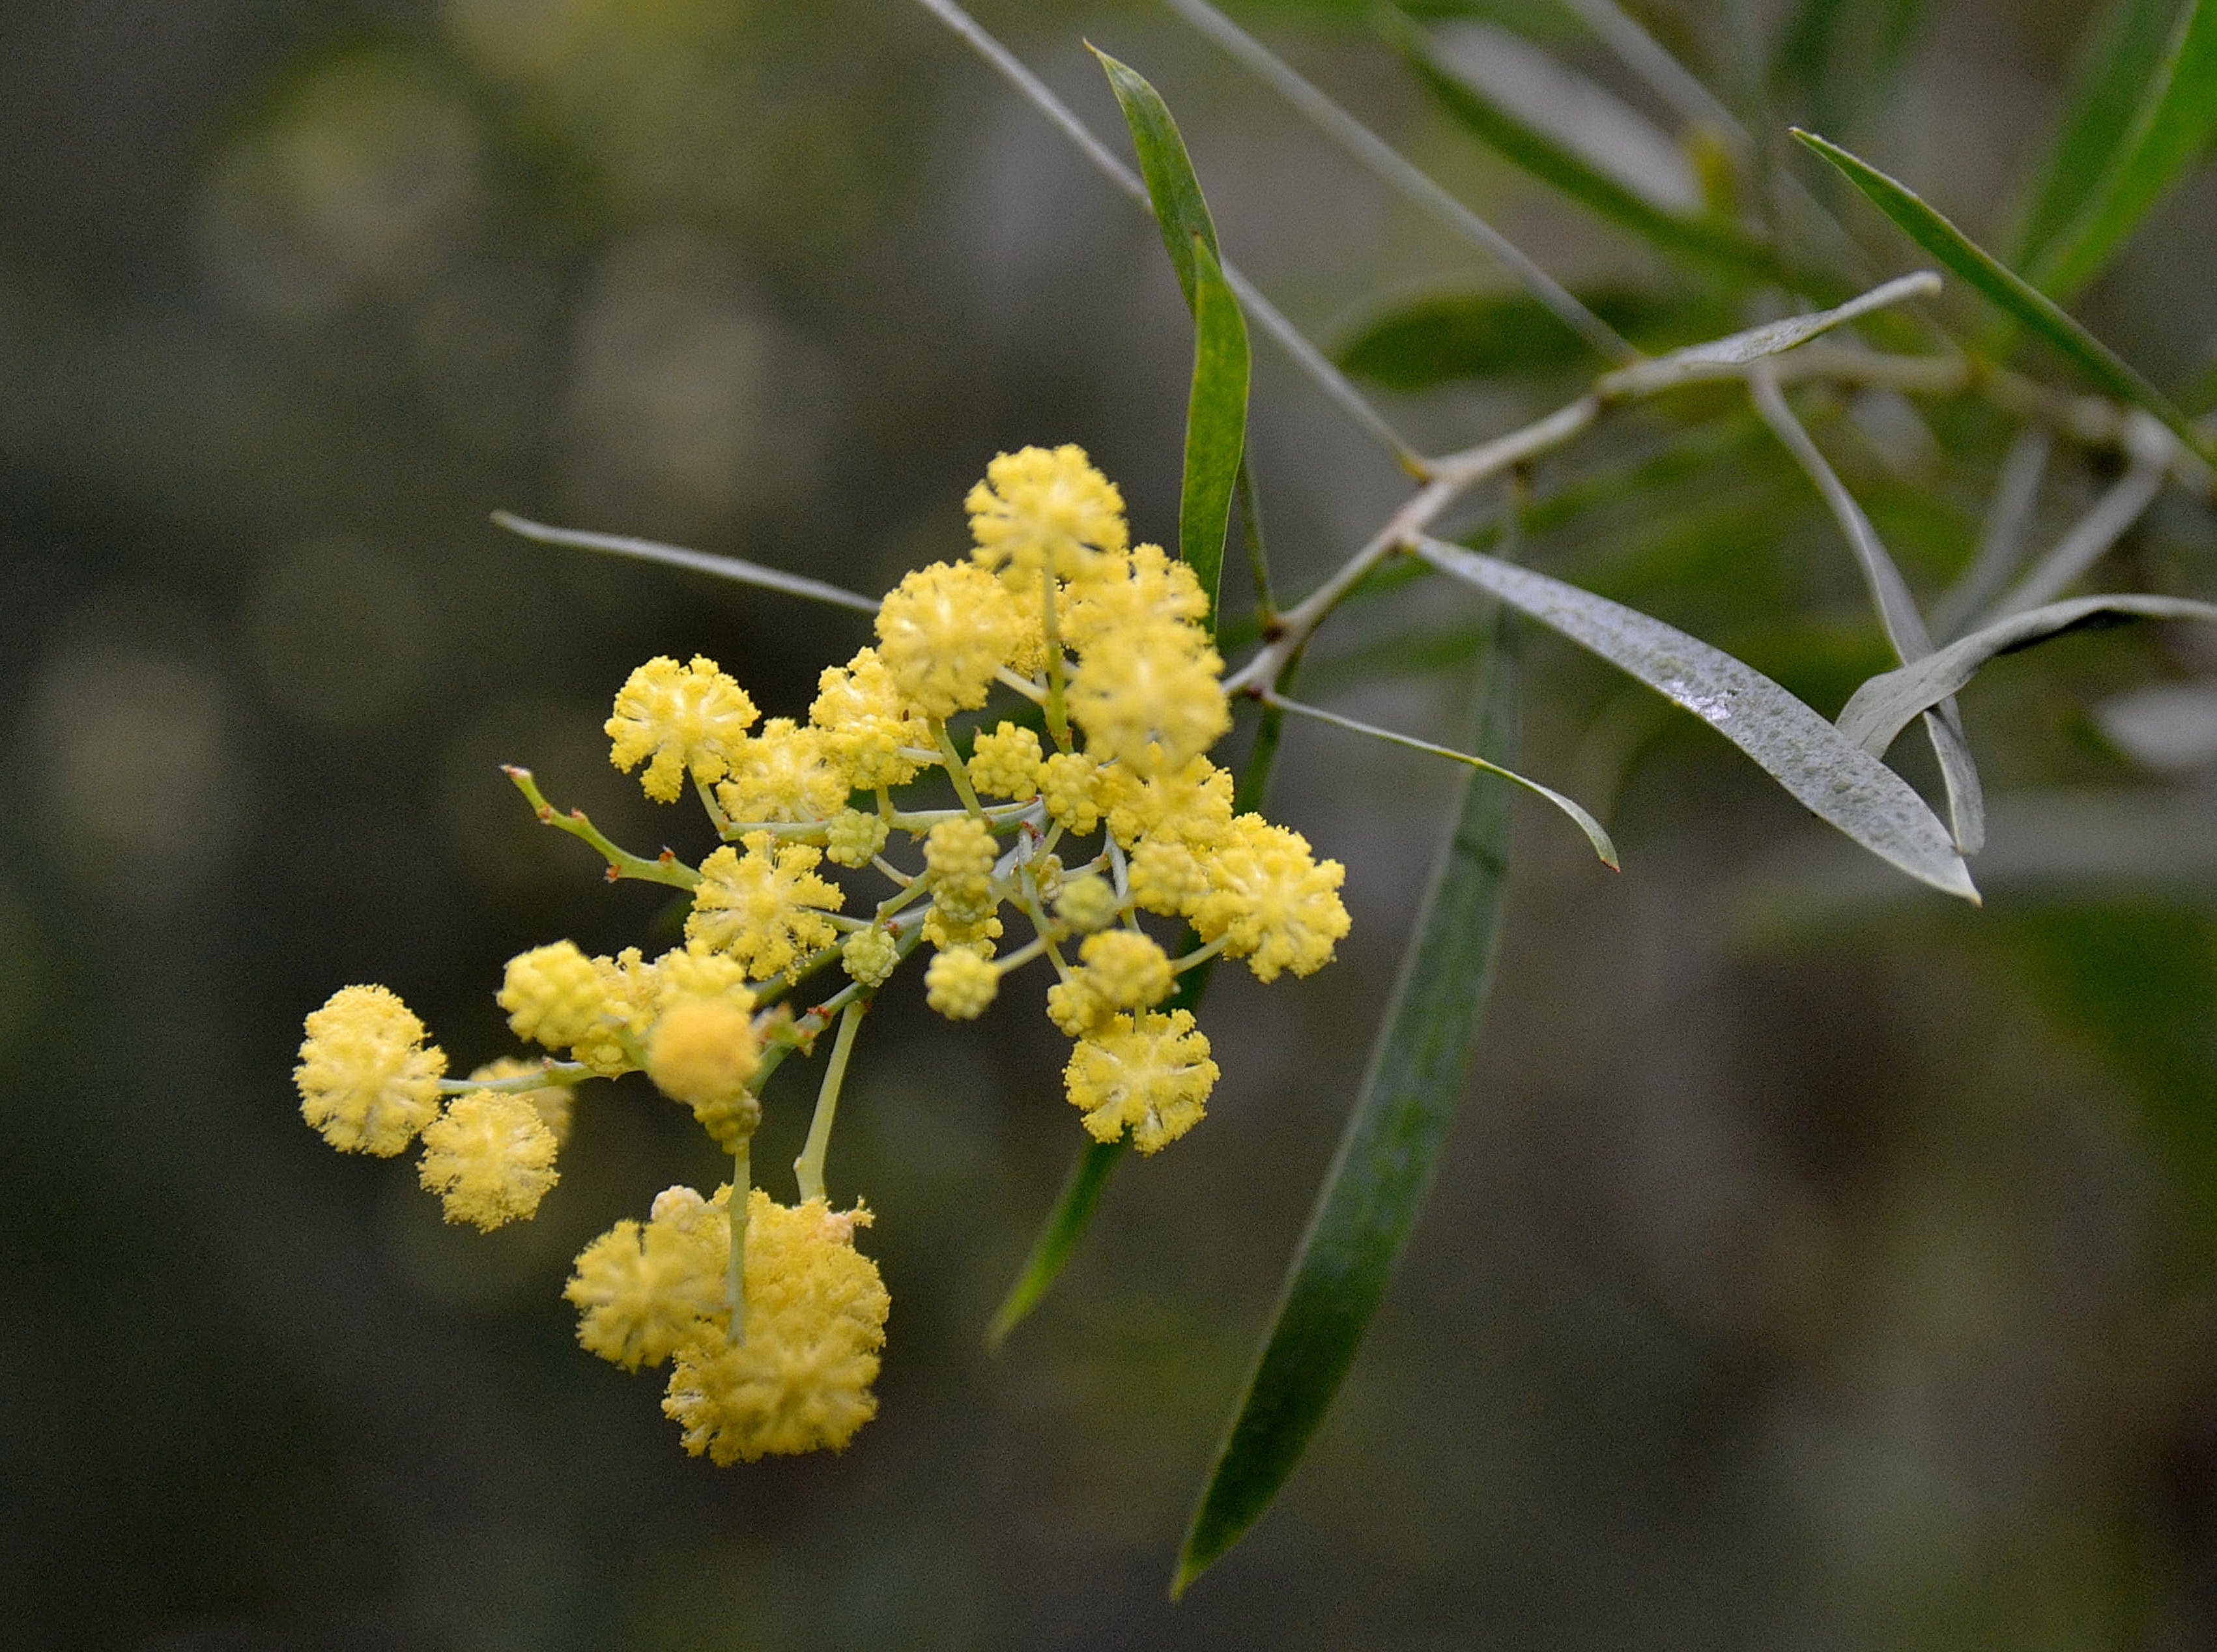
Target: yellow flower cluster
1093, 816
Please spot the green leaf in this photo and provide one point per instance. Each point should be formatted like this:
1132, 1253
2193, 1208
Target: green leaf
2171, 131
1386, 1157
2004, 288
1836, 780
1215, 421
1066, 1223
1723, 358
1065, 1226
1882, 707
2122, 57
1717, 243
1180, 211
1414, 344
702, 562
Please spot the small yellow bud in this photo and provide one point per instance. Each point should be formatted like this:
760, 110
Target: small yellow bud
1074, 1007
367, 1080
1087, 903
1005, 763
1069, 786
1126, 970
870, 956
703, 1051
960, 855
854, 838
554, 995
961, 984
491, 1156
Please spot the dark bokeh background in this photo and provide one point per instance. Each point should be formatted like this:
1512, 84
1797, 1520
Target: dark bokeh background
1816, 1265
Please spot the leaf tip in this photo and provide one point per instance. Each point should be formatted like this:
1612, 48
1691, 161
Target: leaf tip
1190, 1566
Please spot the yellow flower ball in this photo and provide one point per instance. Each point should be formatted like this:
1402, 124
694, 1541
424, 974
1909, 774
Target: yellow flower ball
1149, 1073
1045, 509
643, 1291
491, 1156
368, 1081
703, 1053
944, 632
684, 717
961, 984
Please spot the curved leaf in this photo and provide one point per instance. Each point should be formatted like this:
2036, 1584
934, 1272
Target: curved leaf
1059, 1235
1885, 705
2171, 131
1180, 211
2121, 58
1215, 421
2006, 289
1837, 780
1387, 1156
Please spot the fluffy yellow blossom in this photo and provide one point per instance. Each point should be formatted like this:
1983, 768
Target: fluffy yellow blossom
1086, 903
1045, 509
784, 772
816, 1318
554, 995
944, 632
1270, 900
553, 1102
642, 1291
960, 855
685, 716
1005, 763
1191, 805
696, 972
630, 990
1151, 1074
765, 907
961, 984
1074, 1007
870, 956
1069, 786
366, 1079
1165, 877
1148, 695
1146, 588
703, 1053
491, 1158
853, 838
866, 724
1126, 970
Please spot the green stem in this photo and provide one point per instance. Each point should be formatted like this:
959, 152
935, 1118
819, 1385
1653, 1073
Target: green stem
808, 1168
955, 771
735, 1283
553, 1073
666, 868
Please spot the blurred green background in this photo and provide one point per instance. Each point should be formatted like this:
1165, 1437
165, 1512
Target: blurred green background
1816, 1264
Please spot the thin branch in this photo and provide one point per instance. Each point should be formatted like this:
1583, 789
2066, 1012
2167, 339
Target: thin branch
1388, 163
1333, 383
665, 868
2089, 540
2001, 540
734, 568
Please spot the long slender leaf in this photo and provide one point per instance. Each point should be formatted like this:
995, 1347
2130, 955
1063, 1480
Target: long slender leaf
701, 562
2171, 131
1386, 1157
2008, 290
2122, 56
2088, 541
1727, 356
1180, 211
1215, 421
1716, 242
1058, 1236
1885, 705
1837, 780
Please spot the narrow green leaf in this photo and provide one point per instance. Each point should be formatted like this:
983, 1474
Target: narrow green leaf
702, 562
2170, 131
1717, 243
1413, 344
1886, 704
1066, 1223
1386, 1157
1836, 780
1725, 357
2122, 56
1215, 421
1180, 211
2006, 289
1059, 1235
